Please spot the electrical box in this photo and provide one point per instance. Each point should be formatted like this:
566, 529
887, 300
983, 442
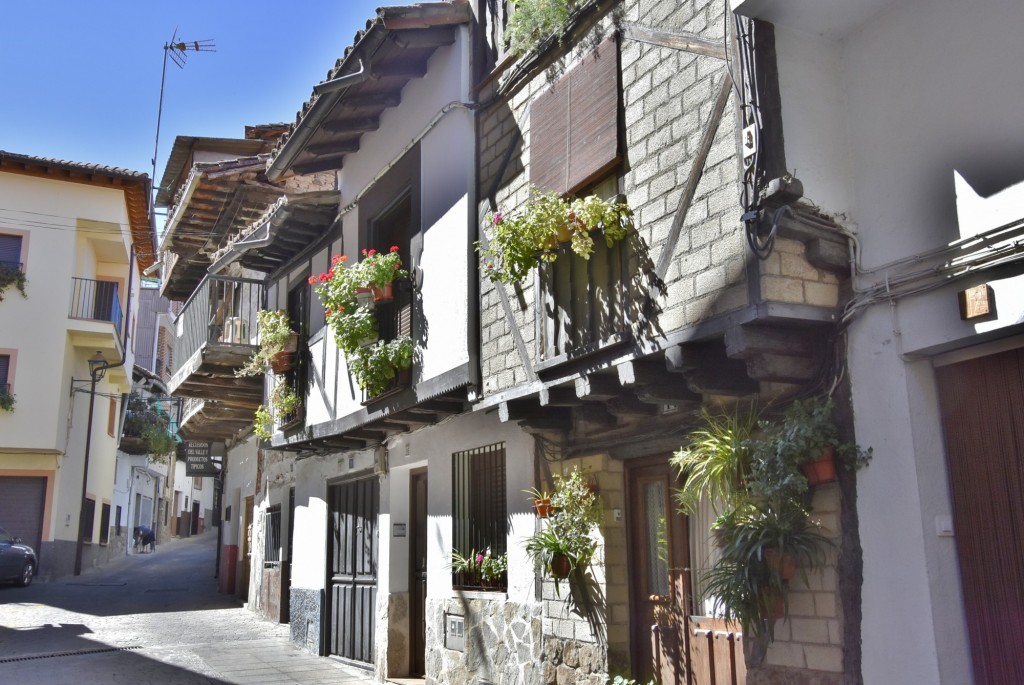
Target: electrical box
455, 632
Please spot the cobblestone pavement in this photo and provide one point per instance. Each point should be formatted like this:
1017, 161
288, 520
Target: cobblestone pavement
149, 618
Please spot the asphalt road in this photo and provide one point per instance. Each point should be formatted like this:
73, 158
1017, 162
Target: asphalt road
149, 618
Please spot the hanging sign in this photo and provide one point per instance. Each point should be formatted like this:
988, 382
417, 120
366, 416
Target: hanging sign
198, 462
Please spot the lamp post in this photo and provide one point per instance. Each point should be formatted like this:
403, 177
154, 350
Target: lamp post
97, 367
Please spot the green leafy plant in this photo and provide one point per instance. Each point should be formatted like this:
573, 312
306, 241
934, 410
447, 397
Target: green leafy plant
715, 460
380, 268
522, 239
11, 274
808, 429
482, 565
375, 366
276, 336
533, 21
7, 400
576, 509
283, 401
159, 441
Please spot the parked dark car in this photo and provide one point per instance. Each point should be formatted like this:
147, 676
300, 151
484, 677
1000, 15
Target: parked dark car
17, 561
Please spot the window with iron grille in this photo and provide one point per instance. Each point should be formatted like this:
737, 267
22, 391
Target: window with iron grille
272, 536
88, 519
105, 524
479, 511
5, 370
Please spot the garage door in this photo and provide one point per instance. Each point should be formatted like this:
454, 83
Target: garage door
21, 508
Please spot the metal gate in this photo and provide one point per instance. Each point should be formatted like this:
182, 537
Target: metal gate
22, 501
352, 568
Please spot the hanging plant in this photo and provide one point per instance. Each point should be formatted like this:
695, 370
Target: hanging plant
522, 239
283, 401
6, 399
11, 274
376, 366
277, 339
159, 441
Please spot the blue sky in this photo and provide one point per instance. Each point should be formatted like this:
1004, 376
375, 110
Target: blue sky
81, 80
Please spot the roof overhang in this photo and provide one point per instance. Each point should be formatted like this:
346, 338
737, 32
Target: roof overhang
134, 184
392, 50
183, 153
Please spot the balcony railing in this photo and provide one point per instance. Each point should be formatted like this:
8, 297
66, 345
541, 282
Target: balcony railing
221, 310
96, 301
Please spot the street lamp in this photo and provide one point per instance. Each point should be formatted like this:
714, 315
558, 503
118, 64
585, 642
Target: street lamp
97, 368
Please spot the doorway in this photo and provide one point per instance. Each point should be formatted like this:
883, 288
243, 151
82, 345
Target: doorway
418, 573
353, 508
982, 404
659, 546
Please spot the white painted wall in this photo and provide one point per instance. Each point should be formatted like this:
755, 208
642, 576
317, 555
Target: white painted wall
879, 120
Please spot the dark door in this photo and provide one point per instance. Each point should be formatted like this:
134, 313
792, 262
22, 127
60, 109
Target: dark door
352, 568
22, 503
659, 581
418, 573
286, 569
983, 420
195, 517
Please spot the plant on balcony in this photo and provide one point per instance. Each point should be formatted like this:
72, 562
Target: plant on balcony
6, 399
565, 546
533, 21
11, 274
277, 340
374, 363
283, 401
159, 442
522, 239
376, 366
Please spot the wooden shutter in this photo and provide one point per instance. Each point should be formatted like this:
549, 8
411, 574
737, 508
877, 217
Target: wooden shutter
574, 126
982, 404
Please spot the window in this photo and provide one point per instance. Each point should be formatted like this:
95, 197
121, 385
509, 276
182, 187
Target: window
111, 417
88, 520
10, 252
5, 375
479, 513
574, 126
117, 521
272, 536
197, 483
105, 524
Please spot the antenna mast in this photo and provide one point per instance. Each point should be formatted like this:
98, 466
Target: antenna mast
177, 49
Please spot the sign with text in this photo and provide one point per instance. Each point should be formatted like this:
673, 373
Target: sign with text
198, 462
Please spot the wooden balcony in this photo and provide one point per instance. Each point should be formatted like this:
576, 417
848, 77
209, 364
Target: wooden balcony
216, 336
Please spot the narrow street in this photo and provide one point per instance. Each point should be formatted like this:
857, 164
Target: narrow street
150, 618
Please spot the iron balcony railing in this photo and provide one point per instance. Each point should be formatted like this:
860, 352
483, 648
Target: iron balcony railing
95, 300
221, 310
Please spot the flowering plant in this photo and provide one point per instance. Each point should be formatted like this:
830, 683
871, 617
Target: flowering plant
483, 564
377, 269
522, 239
376, 365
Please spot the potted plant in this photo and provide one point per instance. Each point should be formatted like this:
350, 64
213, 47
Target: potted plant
716, 459
6, 399
564, 546
283, 401
278, 344
159, 441
11, 274
522, 239
480, 568
808, 437
376, 366
541, 501
377, 271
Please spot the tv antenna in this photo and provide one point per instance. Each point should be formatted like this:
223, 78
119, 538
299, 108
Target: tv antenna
178, 51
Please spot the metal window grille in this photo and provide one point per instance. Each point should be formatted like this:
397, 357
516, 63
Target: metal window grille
88, 518
480, 517
272, 537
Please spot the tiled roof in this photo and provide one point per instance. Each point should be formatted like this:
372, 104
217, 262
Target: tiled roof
84, 167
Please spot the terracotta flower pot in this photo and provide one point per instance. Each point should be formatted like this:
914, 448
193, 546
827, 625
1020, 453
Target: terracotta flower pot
543, 507
364, 296
282, 362
561, 566
821, 470
783, 564
385, 293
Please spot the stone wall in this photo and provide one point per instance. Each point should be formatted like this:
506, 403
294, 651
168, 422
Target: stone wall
502, 642
306, 609
787, 276
392, 645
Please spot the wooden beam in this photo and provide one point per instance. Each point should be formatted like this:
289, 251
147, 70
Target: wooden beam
640, 372
404, 69
372, 101
593, 387
334, 148
416, 419
390, 425
596, 413
677, 40
325, 164
352, 125
560, 397
367, 435
515, 410
630, 406
424, 38
667, 392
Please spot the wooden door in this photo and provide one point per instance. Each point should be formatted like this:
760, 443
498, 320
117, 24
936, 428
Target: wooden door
352, 568
982, 404
245, 551
418, 573
659, 580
